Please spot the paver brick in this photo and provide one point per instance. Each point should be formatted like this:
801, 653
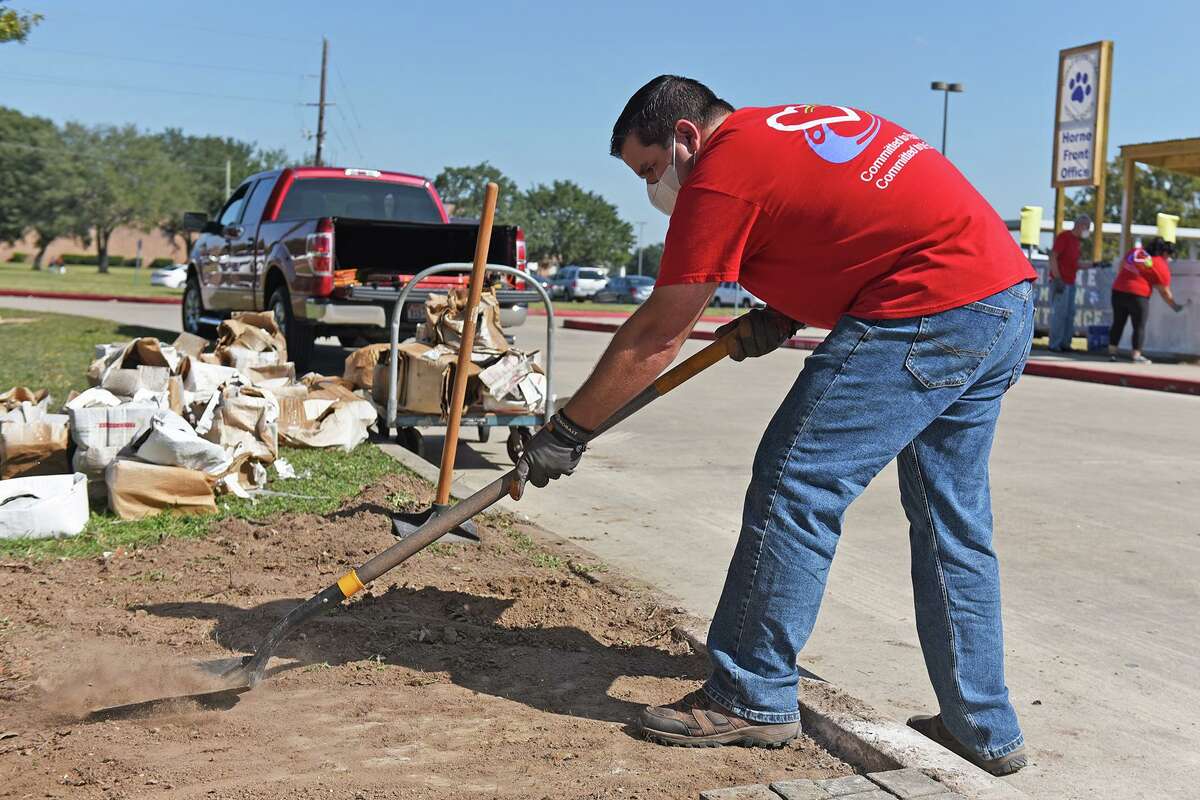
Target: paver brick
756, 791
800, 789
907, 783
851, 784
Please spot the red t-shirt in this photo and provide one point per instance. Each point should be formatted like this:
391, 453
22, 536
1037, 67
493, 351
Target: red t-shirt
1140, 273
825, 210
1066, 245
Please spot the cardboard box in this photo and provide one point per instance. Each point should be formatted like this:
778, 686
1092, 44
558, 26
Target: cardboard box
137, 490
360, 365
245, 416
255, 332
37, 447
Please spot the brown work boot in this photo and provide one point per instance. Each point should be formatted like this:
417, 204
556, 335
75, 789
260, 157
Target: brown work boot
696, 721
933, 728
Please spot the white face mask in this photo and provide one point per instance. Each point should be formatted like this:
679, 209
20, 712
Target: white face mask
664, 193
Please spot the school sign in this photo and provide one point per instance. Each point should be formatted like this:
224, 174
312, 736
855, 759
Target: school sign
1081, 115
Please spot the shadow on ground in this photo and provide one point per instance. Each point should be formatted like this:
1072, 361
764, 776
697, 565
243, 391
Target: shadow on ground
560, 670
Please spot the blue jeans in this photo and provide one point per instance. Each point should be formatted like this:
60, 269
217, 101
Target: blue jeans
925, 391
1062, 315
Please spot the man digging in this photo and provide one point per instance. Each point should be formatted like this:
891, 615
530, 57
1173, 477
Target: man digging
842, 219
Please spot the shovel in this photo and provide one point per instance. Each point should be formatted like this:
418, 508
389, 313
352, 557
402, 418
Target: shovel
241, 674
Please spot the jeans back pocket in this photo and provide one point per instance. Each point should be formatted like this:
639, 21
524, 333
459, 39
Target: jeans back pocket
950, 346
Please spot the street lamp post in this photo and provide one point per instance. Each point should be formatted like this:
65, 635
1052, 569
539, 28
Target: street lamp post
640, 225
945, 89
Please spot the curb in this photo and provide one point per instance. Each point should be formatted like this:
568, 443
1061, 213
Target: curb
1041, 369
1156, 383
795, 343
843, 724
106, 298
567, 313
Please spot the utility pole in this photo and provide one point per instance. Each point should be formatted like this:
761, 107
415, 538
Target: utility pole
321, 103
228, 177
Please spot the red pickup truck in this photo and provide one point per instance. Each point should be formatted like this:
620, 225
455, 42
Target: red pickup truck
327, 250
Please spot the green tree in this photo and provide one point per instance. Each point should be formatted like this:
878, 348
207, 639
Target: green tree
201, 186
651, 255
16, 25
38, 182
1154, 190
128, 179
565, 224
463, 187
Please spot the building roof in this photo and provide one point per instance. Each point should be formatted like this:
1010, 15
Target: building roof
1178, 155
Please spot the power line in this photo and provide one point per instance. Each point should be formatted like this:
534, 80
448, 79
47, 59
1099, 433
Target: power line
254, 70
142, 89
350, 132
349, 100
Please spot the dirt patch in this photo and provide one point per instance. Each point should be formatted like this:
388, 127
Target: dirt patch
469, 672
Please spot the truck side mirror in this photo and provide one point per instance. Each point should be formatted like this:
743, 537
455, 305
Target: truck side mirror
194, 221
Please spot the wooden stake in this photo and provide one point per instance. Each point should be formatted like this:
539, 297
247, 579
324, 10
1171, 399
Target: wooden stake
459, 392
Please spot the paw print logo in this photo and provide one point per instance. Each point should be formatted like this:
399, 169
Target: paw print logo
1080, 87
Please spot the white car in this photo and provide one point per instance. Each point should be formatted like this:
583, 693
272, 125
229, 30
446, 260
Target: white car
578, 283
172, 277
731, 293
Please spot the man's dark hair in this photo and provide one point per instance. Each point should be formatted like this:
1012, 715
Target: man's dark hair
655, 108
1161, 247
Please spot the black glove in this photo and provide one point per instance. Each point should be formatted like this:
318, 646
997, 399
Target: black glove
758, 332
555, 450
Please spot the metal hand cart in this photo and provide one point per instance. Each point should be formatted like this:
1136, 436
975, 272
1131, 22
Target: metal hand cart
521, 425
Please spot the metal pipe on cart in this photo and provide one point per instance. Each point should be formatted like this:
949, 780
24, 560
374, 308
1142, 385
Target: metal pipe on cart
393, 402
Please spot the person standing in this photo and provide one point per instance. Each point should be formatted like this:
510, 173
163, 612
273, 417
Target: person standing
1141, 271
841, 218
1064, 264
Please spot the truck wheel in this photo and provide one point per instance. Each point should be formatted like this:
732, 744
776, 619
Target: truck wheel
412, 440
298, 335
484, 432
193, 305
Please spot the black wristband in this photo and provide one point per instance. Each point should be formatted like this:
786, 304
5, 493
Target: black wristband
564, 424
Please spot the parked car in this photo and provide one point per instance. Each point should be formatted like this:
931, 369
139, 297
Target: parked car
328, 249
172, 277
578, 283
731, 293
628, 289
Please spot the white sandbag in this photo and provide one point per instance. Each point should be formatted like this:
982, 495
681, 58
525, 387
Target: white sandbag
338, 425
100, 432
43, 507
93, 397
172, 442
203, 379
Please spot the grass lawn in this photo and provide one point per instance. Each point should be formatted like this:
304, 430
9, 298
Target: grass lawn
53, 351
84, 280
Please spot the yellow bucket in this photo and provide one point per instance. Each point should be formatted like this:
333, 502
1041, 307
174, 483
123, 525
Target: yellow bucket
1031, 225
1167, 223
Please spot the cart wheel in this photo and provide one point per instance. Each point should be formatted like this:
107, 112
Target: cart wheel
518, 440
411, 439
485, 433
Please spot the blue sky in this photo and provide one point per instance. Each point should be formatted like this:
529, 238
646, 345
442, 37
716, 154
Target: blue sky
534, 87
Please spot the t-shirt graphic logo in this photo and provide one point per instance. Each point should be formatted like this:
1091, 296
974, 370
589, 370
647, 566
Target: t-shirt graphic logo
854, 132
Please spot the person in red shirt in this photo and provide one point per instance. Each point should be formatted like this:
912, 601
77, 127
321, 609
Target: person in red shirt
1064, 266
838, 217
1141, 271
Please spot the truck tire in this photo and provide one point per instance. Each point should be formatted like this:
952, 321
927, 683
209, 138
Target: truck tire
299, 336
193, 306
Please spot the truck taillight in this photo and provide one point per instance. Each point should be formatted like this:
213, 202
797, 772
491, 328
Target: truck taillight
319, 248
522, 261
